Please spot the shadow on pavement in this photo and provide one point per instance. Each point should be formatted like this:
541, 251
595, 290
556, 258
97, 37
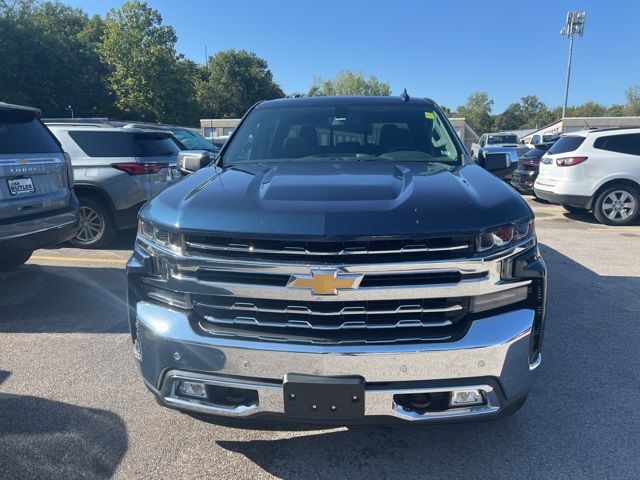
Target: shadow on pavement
46, 439
42, 298
580, 420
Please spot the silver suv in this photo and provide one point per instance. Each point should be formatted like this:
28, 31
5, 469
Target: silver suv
37, 205
116, 171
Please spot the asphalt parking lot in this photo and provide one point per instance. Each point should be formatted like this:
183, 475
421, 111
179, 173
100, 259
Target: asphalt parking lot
72, 404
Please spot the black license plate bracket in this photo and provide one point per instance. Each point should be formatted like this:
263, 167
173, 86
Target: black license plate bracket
323, 398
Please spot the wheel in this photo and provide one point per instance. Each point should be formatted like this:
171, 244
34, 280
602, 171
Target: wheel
97, 228
13, 259
617, 205
576, 210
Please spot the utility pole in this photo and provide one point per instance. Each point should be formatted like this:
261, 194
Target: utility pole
574, 26
206, 57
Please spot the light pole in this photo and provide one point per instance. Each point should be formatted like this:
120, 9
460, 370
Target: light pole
69, 109
574, 26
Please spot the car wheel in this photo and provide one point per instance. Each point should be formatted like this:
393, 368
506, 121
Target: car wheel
13, 259
576, 210
96, 228
617, 205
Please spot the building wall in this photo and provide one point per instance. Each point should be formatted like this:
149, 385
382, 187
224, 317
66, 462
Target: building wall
218, 127
574, 124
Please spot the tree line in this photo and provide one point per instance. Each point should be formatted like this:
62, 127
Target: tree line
125, 65
530, 112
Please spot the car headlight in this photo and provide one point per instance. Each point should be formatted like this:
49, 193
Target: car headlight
159, 236
505, 236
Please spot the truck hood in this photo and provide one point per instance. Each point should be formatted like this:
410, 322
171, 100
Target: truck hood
334, 200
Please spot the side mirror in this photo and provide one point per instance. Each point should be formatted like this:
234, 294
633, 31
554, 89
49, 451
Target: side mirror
190, 161
495, 162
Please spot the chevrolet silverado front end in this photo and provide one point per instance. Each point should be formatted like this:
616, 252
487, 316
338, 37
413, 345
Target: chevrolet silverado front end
328, 269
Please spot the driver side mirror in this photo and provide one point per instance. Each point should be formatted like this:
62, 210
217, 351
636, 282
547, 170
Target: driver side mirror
190, 161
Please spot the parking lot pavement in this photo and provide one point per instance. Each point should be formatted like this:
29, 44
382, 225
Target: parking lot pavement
72, 404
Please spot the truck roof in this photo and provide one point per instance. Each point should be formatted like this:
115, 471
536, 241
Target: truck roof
345, 100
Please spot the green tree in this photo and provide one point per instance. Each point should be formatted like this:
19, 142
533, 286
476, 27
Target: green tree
510, 119
348, 82
236, 80
48, 59
633, 100
477, 112
587, 109
616, 110
149, 80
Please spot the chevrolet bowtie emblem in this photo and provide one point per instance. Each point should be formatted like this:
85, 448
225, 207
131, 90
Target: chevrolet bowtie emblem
325, 282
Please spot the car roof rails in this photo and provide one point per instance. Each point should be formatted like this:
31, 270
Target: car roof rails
88, 122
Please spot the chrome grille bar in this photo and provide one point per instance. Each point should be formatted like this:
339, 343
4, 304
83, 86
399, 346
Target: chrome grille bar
344, 252
359, 325
303, 310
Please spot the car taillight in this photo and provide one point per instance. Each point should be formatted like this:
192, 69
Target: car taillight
569, 161
140, 168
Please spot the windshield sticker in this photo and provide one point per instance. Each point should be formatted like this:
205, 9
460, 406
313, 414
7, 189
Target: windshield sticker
428, 115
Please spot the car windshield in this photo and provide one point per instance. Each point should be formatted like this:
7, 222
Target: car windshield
495, 139
192, 141
344, 133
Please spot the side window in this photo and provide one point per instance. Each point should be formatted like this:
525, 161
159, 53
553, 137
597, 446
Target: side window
535, 139
628, 144
482, 138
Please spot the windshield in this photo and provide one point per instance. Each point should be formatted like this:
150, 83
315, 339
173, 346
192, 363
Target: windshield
192, 141
344, 133
494, 139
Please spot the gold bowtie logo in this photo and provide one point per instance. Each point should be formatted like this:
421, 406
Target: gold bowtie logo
325, 282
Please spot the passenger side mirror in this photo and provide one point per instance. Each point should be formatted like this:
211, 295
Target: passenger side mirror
190, 161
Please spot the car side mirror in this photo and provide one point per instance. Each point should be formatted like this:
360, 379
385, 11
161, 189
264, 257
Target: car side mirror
190, 161
496, 162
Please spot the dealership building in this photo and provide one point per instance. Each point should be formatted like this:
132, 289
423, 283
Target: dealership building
573, 124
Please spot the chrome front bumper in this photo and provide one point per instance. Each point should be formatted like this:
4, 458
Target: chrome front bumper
495, 348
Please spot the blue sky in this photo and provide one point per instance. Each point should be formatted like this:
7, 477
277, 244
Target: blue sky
441, 49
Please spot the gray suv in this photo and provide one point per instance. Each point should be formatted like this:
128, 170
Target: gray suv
37, 205
116, 171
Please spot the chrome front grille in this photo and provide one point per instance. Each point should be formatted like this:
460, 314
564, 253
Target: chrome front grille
352, 252
397, 300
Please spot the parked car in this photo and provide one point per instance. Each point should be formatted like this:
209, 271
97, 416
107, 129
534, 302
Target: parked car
220, 141
187, 139
503, 146
116, 171
37, 205
524, 176
538, 138
343, 261
597, 170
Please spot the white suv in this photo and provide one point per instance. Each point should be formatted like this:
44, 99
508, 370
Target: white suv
596, 170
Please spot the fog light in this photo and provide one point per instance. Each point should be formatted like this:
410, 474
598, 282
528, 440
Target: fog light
489, 301
465, 398
192, 389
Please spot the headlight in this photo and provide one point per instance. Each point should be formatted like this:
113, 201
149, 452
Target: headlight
505, 236
158, 236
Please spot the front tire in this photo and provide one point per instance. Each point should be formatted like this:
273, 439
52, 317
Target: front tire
617, 205
13, 259
575, 210
97, 228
